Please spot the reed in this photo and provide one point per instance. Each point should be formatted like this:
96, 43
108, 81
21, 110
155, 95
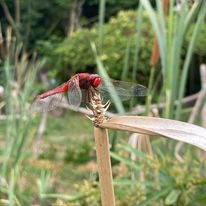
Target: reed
170, 35
101, 24
19, 72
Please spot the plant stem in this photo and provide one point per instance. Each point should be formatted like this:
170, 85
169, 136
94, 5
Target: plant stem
126, 61
137, 41
169, 71
101, 23
104, 166
149, 97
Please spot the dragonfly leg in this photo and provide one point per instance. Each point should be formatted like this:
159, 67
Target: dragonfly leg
92, 92
88, 93
85, 97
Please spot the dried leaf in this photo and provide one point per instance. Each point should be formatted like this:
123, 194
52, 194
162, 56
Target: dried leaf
173, 129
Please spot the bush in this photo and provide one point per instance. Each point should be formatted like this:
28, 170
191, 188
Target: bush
200, 48
80, 155
74, 54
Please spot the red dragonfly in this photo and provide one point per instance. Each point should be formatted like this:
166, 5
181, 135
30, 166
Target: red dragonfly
85, 84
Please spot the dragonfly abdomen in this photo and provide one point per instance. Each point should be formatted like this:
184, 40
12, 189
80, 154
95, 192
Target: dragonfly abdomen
60, 89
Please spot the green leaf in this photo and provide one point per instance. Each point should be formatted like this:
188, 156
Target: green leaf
126, 161
172, 197
159, 30
155, 196
75, 197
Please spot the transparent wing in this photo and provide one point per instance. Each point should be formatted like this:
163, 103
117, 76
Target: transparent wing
74, 92
47, 104
125, 90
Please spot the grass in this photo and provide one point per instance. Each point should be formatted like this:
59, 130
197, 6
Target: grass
58, 136
73, 177
68, 127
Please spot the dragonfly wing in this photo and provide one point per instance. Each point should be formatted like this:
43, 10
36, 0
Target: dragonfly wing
47, 104
125, 90
132, 89
104, 91
74, 92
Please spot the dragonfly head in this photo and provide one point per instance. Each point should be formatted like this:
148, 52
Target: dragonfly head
95, 80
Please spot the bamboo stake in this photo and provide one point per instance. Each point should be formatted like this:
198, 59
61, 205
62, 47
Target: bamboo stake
102, 151
104, 166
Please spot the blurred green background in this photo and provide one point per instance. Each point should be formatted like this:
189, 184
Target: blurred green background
49, 158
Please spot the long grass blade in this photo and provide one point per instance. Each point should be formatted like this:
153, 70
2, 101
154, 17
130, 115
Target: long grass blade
160, 33
10, 124
175, 55
137, 41
101, 24
169, 72
11, 188
156, 196
126, 161
139, 18
103, 73
126, 61
63, 196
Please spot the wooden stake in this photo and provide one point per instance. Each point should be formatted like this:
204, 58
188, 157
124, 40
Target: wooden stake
104, 166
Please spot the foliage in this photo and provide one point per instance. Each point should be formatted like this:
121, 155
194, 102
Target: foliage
171, 35
17, 94
40, 20
82, 155
34, 178
18, 73
159, 180
74, 54
49, 153
112, 7
170, 182
200, 48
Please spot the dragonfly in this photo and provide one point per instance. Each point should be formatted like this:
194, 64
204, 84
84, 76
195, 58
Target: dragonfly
81, 87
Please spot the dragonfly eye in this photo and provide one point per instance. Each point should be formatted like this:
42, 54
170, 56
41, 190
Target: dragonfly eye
96, 82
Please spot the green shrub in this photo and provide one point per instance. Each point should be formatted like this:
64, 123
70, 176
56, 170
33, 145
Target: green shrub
74, 54
49, 153
200, 48
80, 155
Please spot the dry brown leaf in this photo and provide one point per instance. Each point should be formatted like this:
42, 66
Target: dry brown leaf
181, 131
